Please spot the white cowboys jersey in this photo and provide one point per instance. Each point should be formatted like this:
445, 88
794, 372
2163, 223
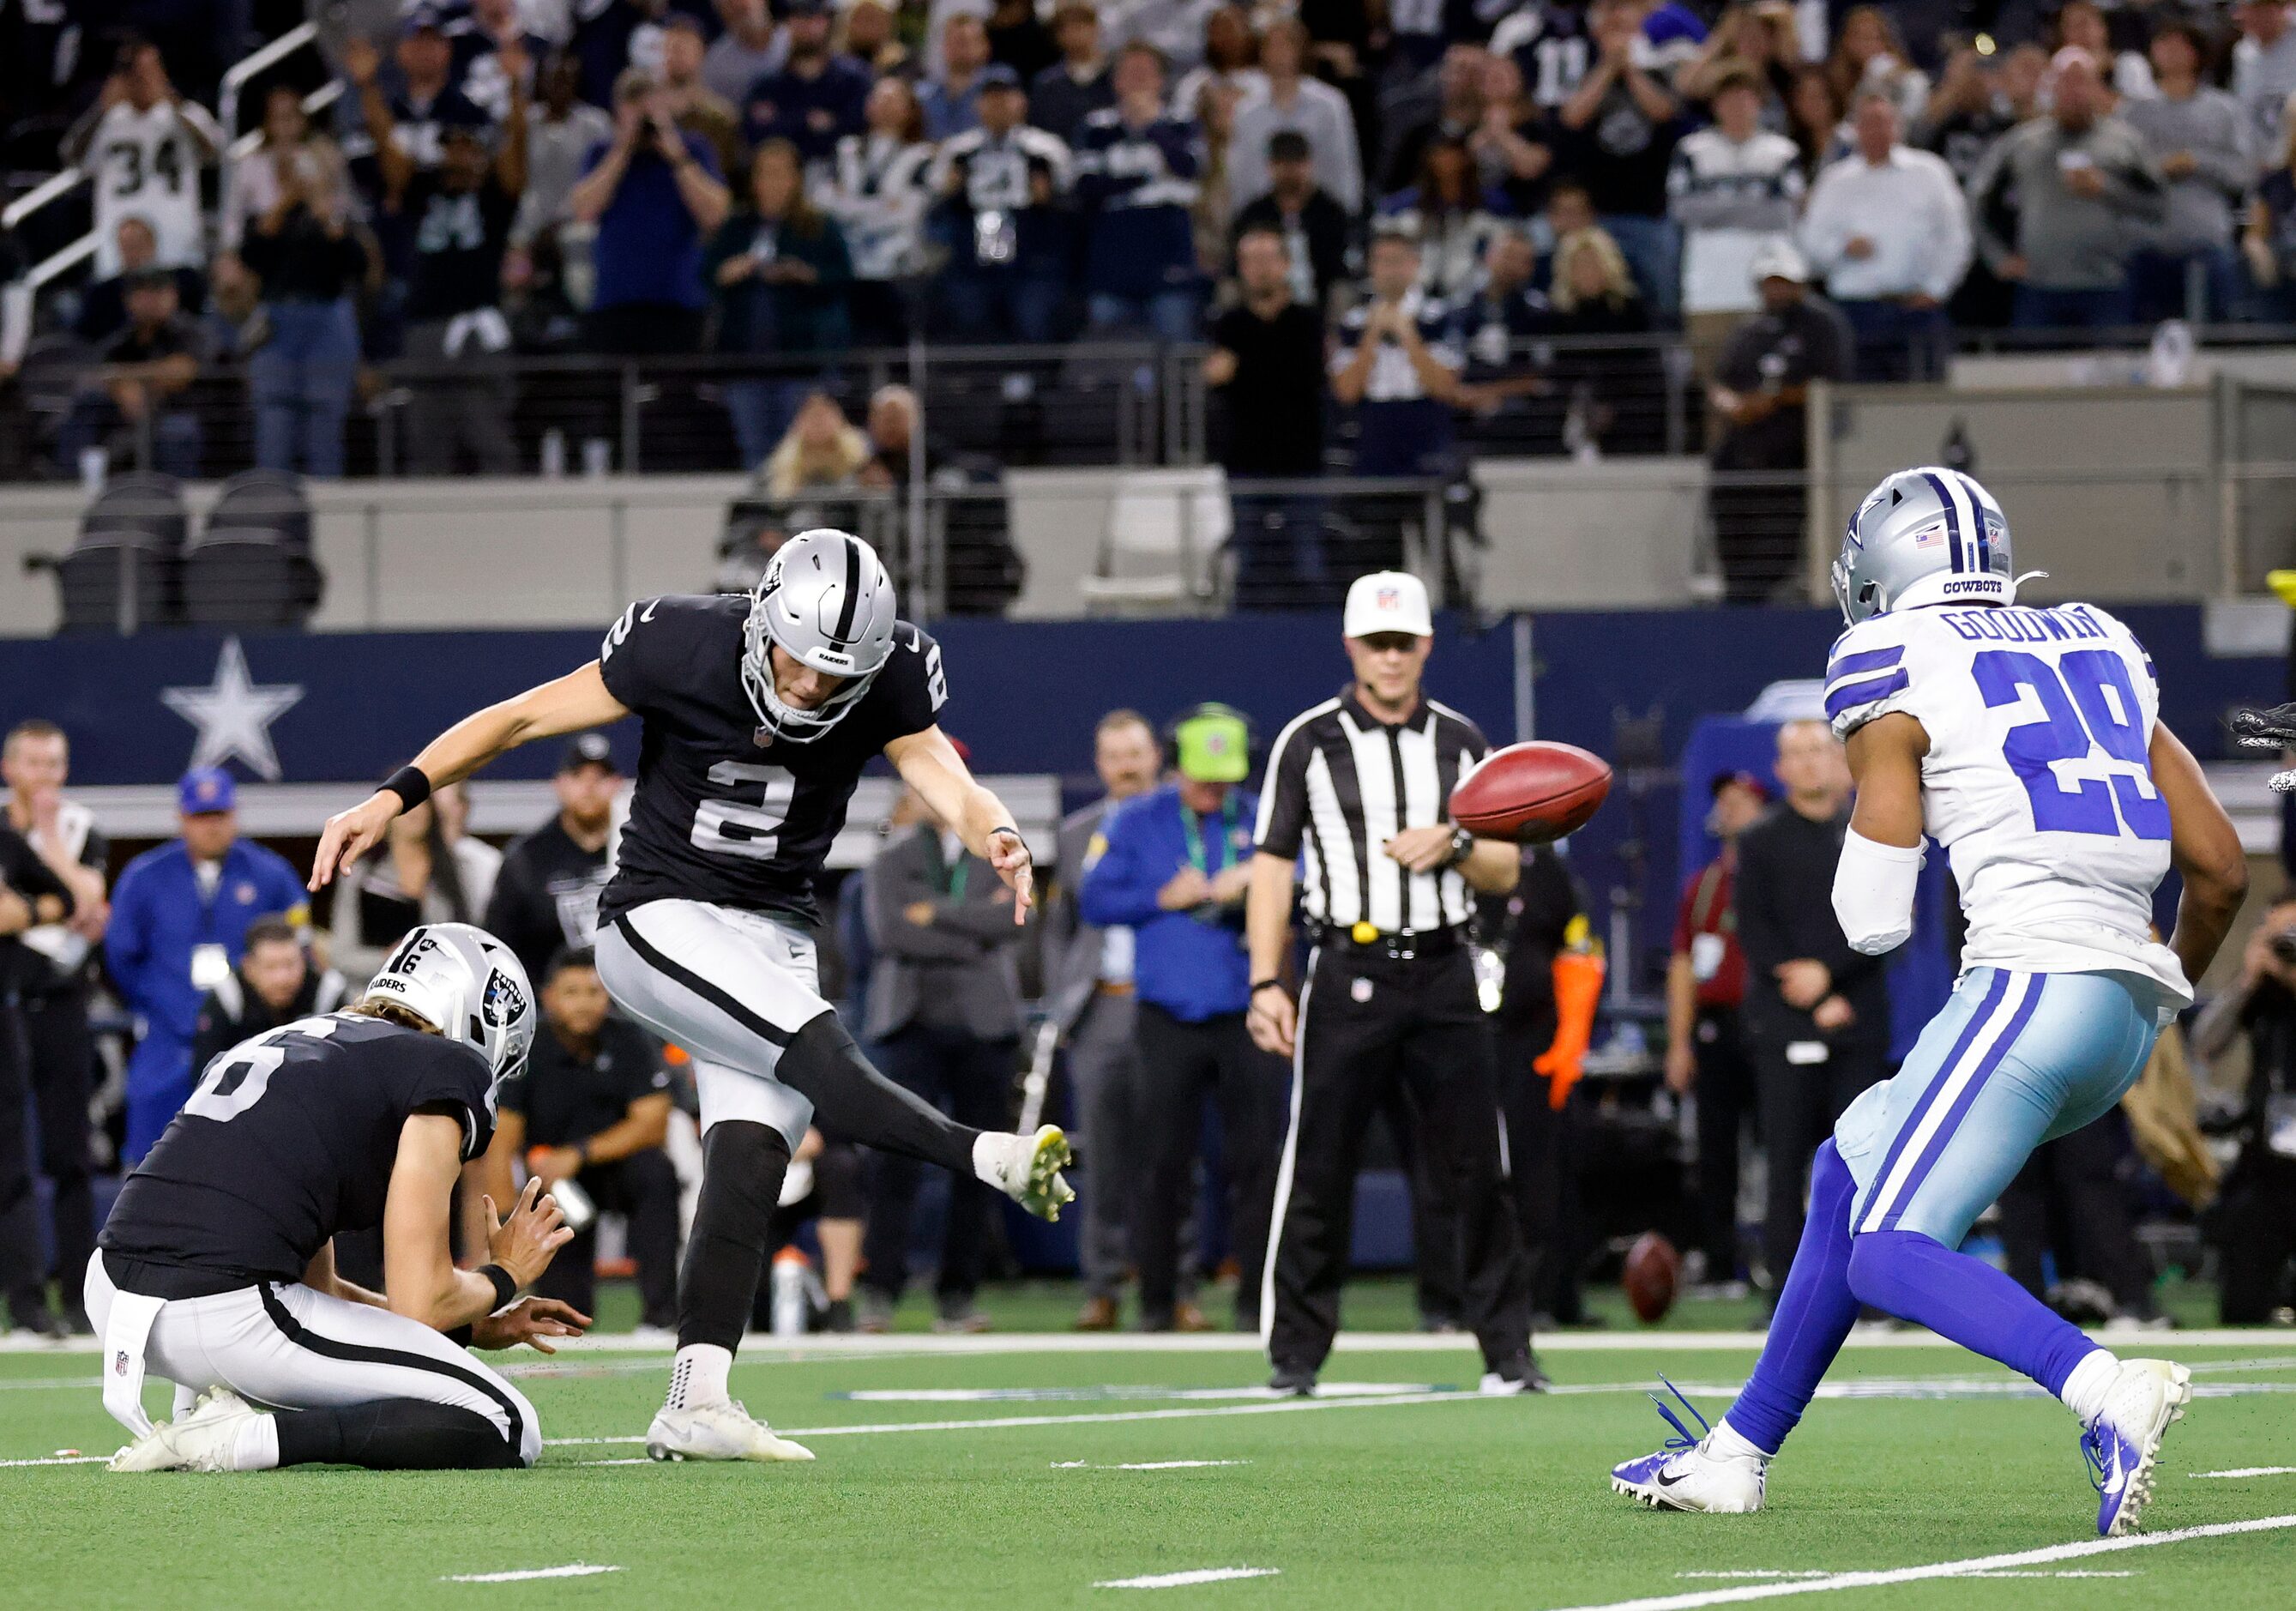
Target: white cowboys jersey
2036, 781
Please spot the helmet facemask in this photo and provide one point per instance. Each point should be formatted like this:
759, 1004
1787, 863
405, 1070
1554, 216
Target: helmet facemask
827, 604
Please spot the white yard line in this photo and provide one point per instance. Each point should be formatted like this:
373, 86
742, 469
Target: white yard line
1145, 1465
62, 1460
1978, 1566
1082, 1395
577, 1570
1775, 1574
1183, 1579
2251, 1471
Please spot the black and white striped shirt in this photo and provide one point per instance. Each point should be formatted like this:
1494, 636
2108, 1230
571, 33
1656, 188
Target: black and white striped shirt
1339, 783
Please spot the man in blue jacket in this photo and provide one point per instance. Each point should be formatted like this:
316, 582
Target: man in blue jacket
179, 922
1173, 866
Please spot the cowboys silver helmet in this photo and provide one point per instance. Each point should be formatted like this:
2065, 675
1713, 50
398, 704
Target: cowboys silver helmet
827, 600
1925, 536
468, 985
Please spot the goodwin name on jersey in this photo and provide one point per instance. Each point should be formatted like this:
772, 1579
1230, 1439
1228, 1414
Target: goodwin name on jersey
723, 814
2037, 781
289, 1139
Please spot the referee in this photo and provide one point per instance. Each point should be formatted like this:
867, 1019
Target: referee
1358, 789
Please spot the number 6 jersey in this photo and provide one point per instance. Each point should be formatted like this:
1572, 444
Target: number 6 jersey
718, 817
2036, 781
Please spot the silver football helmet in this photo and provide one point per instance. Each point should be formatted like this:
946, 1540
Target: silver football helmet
468, 985
827, 600
1924, 536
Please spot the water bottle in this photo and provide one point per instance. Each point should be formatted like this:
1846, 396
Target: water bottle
791, 1309
553, 453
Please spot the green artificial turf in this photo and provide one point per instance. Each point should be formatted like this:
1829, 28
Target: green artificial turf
1458, 1502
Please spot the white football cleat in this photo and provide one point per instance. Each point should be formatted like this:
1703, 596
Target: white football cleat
201, 1440
717, 1432
2145, 1396
1686, 1475
1028, 1170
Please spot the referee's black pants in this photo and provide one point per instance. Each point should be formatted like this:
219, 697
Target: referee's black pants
1799, 1102
60, 1063
1366, 1022
1180, 1063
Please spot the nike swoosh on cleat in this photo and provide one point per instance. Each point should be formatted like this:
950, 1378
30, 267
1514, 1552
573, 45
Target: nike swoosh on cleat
1665, 1480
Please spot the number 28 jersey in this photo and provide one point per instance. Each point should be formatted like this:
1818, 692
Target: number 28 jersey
718, 816
2038, 780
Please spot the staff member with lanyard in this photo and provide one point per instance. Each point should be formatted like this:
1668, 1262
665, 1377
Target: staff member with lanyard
1358, 786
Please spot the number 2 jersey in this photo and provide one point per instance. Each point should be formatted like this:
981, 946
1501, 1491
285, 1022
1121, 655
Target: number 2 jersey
720, 815
288, 1139
2038, 780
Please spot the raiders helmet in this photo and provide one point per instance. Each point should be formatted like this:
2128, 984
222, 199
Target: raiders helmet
1926, 536
467, 984
827, 600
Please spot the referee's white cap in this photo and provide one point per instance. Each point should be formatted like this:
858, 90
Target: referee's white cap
1387, 601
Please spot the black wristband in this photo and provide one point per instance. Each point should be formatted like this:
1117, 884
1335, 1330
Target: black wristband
1007, 828
505, 1289
1270, 985
460, 1336
410, 785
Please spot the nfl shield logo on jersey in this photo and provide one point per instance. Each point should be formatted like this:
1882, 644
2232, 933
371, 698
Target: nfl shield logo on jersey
120, 1363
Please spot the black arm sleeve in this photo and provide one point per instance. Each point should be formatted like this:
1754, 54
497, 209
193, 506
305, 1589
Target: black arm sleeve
23, 871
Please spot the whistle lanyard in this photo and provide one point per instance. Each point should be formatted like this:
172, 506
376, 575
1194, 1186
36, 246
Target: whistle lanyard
1193, 833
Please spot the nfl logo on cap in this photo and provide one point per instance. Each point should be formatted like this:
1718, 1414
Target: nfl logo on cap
1387, 601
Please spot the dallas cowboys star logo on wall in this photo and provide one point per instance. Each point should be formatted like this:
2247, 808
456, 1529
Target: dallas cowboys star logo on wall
233, 714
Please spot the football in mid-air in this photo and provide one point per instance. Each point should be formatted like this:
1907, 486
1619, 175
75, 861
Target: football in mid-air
1531, 792
1652, 1272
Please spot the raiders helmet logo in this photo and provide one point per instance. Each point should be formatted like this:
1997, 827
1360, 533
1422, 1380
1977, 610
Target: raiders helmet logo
504, 1003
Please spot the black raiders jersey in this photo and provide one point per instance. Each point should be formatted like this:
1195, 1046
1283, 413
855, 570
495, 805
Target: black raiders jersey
721, 814
289, 1139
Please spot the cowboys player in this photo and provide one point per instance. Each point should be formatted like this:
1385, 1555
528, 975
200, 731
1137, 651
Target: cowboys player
759, 712
217, 1267
2028, 742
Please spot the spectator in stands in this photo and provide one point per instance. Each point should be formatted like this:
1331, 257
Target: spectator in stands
1173, 865
233, 326
820, 452
1081, 82
892, 433
876, 188
274, 984
1760, 392
459, 215
545, 894
1395, 364
434, 870
312, 263
592, 1105
179, 923
2085, 189
952, 100
2081, 23
2269, 242
1317, 230
145, 144
945, 1015
615, 35
494, 54
1515, 154
815, 97
1816, 1013
1889, 229
1456, 111
693, 106
2254, 1218
1758, 39
560, 133
1230, 59
429, 105
746, 48
1620, 132
2204, 144
867, 31
1497, 322
1018, 39
1135, 171
53, 977
1266, 363
1211, 212
1000, 193
781, 269
655, 195
289, 143
1448, 211
2264, 67
1734, 188
103, 306
132, 407
1296, 103
1975, 102
1814, 122
1176, 27
1592, 295
1869, 54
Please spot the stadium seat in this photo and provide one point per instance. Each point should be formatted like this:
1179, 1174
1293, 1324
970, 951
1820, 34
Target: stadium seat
1165, 531
264, 500
142, 502
107, 568
248, 576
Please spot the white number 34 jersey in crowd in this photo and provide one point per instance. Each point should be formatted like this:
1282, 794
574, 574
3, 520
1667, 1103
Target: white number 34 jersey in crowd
2037, 782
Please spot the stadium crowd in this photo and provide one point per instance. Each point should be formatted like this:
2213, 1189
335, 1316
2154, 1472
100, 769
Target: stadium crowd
123, 991
1446, 191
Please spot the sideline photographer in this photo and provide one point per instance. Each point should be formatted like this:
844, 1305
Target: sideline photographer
2255, 1216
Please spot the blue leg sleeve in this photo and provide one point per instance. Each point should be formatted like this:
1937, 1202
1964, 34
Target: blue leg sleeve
1815, 1314
1916, 1278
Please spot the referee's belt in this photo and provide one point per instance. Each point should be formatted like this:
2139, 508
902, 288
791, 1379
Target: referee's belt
1403, 946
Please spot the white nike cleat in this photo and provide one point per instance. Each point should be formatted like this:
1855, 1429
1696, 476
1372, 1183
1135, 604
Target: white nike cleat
1027, 1168
2122, 1447
202, 1440
1686, 1475
717, 1432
